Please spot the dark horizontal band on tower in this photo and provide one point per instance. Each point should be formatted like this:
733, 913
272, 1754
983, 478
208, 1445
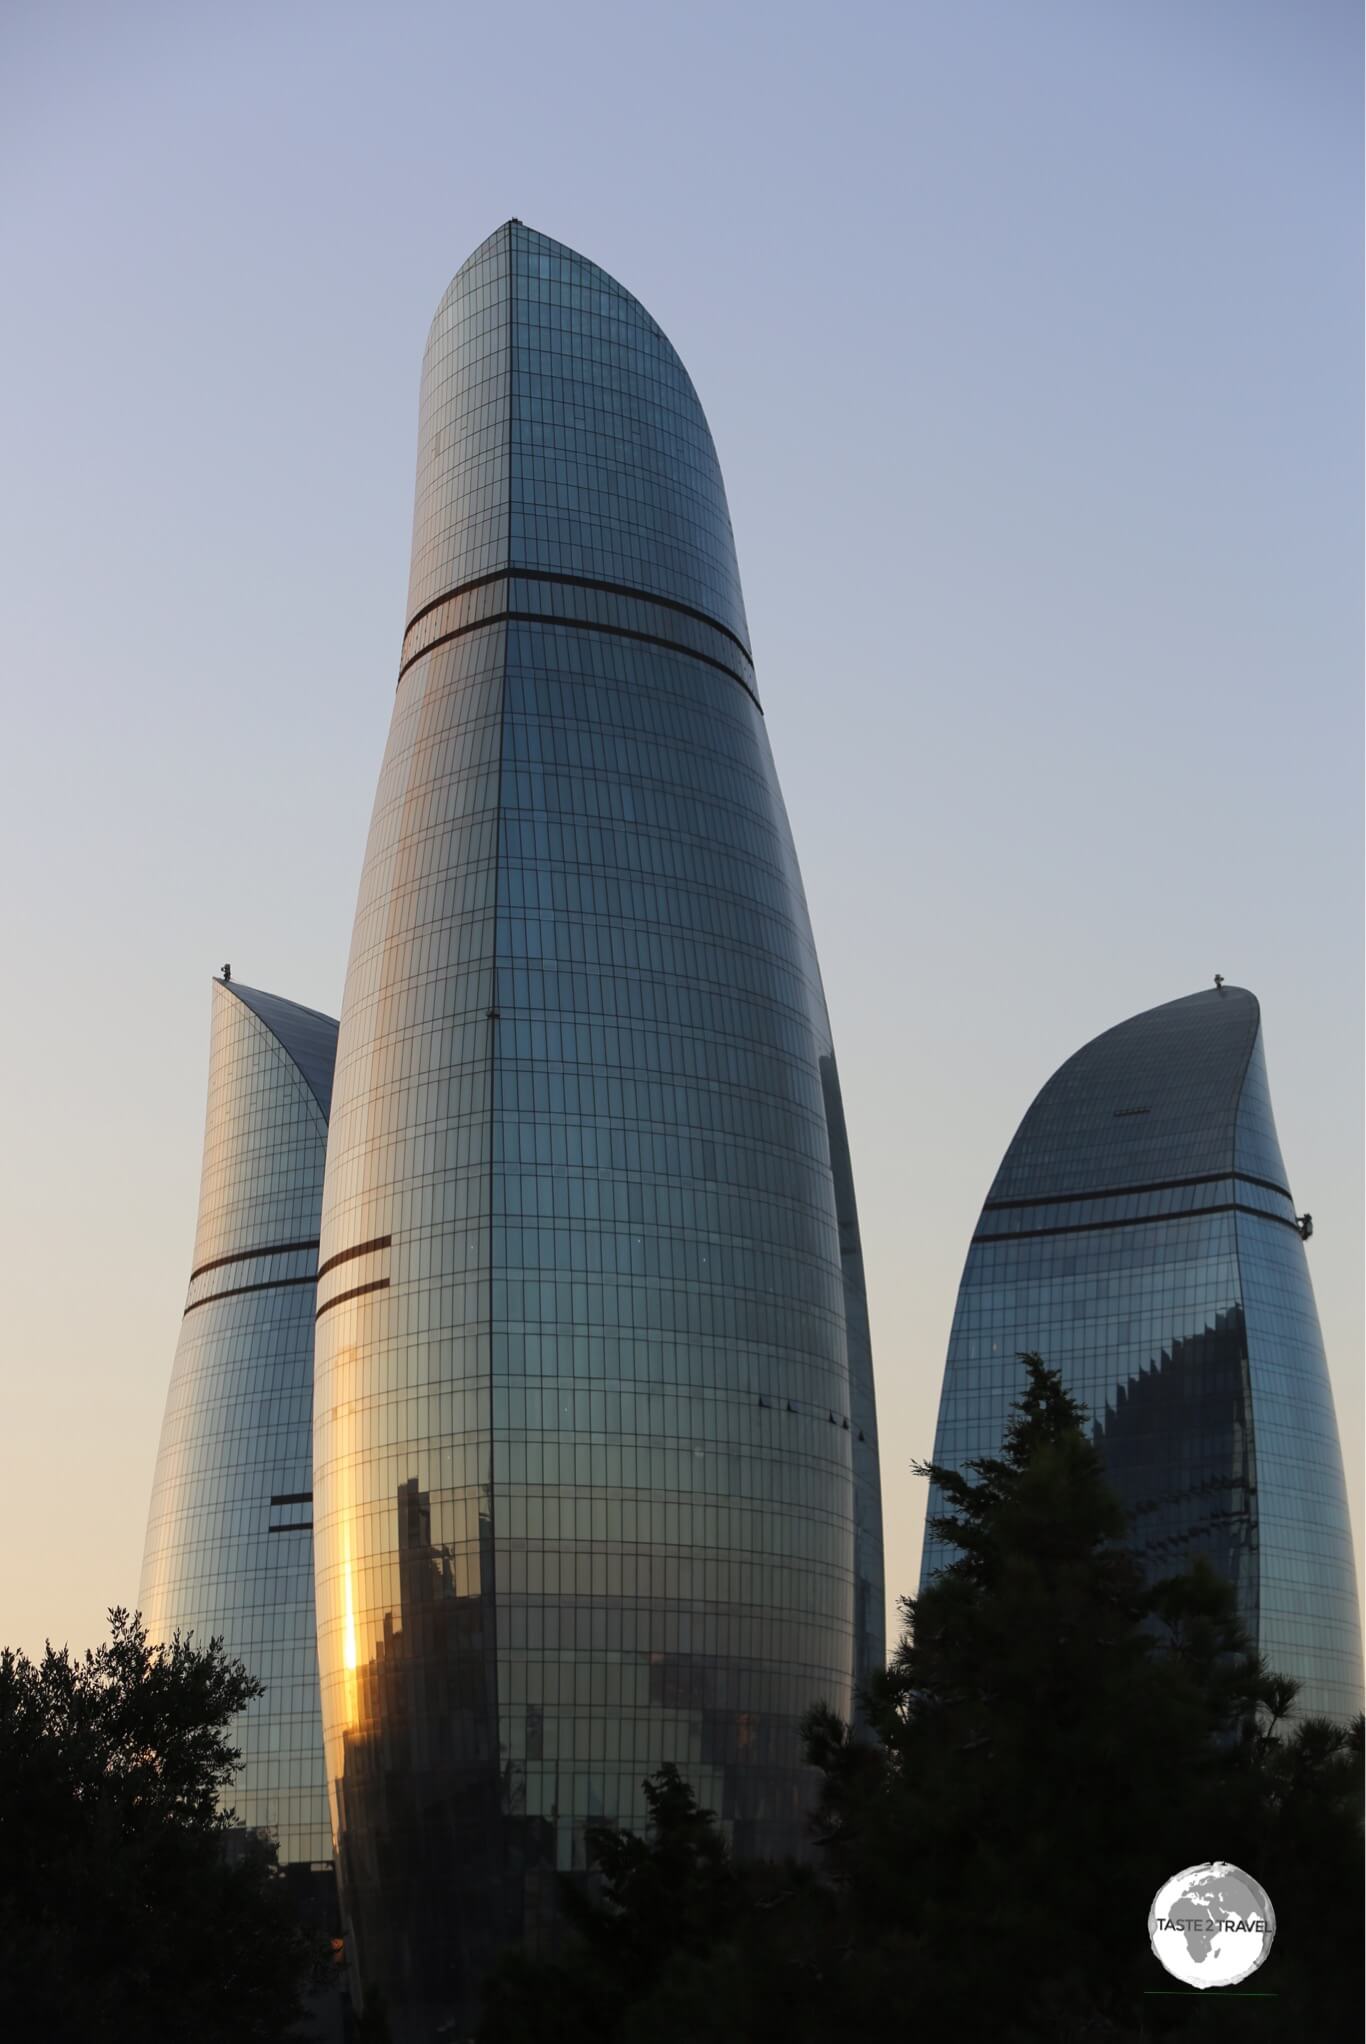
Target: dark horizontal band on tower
245, 1255
576, 582
239, 1291
303, 1526
578, 624
349, 1255
1058, 1199
356, 1292
1231, 1206
493, 600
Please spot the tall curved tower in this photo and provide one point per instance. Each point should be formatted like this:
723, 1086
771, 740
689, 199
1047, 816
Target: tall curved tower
595, 1453
229, 1543
1140, 1235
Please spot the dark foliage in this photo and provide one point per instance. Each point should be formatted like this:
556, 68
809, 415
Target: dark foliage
666, 1901
129, 1906
1052, 1740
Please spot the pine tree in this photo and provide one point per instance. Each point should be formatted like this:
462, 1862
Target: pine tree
1053, 1739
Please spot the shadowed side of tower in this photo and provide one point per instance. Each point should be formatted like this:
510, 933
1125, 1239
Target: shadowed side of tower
595, 1442
1140, 1234
229, 1546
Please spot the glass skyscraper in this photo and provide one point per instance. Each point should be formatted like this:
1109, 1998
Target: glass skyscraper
595, 1457
1140, 1235
229, 1542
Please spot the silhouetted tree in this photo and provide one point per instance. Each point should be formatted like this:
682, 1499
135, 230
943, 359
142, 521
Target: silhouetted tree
129, 1907
665, 1908
1054, 1737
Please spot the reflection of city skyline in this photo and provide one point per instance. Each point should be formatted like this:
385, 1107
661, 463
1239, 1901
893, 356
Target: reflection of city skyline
422, 1756
432, 1750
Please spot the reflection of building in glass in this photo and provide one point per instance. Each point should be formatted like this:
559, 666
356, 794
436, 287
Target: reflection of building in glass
1177, 1442
229, 1542
1140, 1235
591, 1298
420, 1778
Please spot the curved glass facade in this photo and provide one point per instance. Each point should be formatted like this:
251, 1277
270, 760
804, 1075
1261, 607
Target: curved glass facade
595, 1447
1141, 1236
229, 1542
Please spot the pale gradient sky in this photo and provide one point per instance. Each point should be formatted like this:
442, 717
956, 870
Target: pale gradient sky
1030, 339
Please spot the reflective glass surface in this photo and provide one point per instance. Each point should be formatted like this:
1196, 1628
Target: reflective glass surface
595, 1447
1141, 1236
229, 1547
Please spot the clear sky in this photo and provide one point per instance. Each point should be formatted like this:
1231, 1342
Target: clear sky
1030, 338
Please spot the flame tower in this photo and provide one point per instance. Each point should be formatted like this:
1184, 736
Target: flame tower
1140, 1234
229, 1532
595, 1456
